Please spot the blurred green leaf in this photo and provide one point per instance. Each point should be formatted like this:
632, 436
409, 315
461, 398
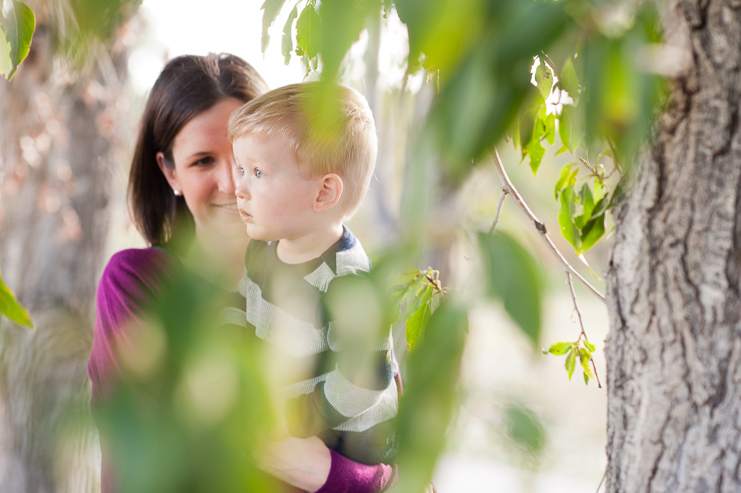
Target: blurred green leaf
569, 129
568, 80
544, 79
549, 128
271, 9
342, 21
308, 30
584, 357
287, 41
566, 217
513, 276
16, 33
10, 307
560, 348
426, 408
570, 363
588, 345
525, 428
415, 324
587, 202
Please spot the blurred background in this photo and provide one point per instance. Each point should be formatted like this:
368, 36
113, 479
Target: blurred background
522, 426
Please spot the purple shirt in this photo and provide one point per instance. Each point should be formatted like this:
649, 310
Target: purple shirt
129, 280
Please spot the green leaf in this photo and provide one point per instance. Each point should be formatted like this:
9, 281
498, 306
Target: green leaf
271, 9
569, 130
600, 190
536, 152
430, 391
10, 307
513, 276
568, 80
16, 33
560, 348
570, 363
416, 325
287, 41
592, 232
587, 202
549, 128
588, 345
524, 427
566, 217
544, 79
308, 30
565, 179
586, 378
584, 357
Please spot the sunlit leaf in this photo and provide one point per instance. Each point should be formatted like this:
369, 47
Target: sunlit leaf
560, 348
271, 9
549, 128
308, 30
588, 345
566, 178
587, 202
10, 307
287, 41
570, 363
513, 276
569, 128
16, 33
566, 217
342, 21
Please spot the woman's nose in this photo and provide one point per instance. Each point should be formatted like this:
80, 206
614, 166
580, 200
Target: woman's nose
228, 177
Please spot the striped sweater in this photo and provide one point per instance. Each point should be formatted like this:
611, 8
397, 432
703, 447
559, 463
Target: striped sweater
284, 304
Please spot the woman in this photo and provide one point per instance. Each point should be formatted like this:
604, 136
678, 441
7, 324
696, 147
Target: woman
182, 184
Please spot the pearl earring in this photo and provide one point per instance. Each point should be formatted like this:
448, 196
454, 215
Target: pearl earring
177, 193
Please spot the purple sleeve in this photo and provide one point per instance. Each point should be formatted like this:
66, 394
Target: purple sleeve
346, 476
127, 284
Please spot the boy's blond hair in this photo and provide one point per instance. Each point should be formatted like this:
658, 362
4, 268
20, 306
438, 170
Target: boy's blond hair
349, 148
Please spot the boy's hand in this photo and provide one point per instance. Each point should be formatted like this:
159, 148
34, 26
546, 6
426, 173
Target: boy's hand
300, 462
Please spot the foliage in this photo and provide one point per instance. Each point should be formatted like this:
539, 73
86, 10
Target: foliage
17, 25
419, 295
574, 350
10, 307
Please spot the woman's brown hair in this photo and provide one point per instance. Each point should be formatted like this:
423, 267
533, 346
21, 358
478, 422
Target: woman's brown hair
187, 86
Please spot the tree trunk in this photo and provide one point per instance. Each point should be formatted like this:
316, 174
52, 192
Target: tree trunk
674, 286
58, 141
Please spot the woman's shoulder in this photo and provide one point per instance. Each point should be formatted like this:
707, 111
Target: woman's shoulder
138, 263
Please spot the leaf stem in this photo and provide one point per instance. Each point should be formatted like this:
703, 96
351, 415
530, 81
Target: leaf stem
509, 188
499, 210
602, 481
581, 324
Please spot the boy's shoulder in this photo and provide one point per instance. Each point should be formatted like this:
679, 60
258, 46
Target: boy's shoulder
345, 257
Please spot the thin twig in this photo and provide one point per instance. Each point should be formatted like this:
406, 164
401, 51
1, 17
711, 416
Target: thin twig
539, 226
589, 166
602, 481
581, 324
499, 210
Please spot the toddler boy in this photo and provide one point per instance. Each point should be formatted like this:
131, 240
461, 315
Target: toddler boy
299, 182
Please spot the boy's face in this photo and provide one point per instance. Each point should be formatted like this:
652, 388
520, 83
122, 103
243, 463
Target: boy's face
273, 199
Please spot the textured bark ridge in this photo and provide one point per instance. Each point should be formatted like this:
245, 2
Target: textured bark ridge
58, 141
674, 293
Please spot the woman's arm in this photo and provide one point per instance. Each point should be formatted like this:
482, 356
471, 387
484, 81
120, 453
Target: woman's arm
308, 464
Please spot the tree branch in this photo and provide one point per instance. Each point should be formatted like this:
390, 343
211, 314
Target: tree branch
499, 210
508, 188
581, 324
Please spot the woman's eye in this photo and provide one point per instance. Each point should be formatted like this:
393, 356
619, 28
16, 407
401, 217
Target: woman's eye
204, 161
258, 173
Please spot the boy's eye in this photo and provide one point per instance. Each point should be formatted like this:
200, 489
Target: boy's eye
241, 171
258, 173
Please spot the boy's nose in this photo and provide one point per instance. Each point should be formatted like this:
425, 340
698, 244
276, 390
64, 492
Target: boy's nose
241, 189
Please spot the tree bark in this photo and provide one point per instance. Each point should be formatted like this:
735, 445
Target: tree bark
673, 284
59, 137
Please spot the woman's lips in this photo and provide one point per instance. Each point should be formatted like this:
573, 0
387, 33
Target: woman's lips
228, 207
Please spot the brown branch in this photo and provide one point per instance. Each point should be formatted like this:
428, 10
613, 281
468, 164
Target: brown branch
508, 188
602, 481
581, 324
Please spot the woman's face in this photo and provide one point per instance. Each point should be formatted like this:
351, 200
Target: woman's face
204, 172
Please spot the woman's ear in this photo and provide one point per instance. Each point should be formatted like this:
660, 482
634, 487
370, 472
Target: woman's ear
330, 192
170, 174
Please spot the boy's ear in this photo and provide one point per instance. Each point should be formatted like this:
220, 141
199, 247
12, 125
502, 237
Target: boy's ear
170, 174
330, 192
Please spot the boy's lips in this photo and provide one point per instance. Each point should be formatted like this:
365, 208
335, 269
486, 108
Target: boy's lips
245, 216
